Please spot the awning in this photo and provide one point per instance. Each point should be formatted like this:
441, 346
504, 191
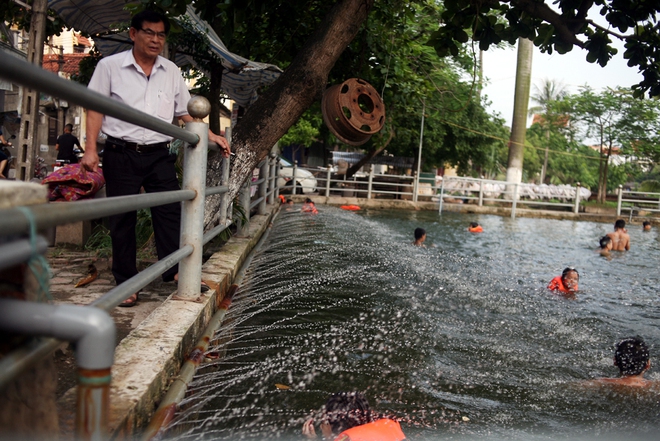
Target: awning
241, 78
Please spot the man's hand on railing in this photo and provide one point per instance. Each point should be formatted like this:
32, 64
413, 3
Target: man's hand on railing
222, 143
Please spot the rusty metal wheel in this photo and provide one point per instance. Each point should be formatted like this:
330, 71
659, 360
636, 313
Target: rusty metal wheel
353, 111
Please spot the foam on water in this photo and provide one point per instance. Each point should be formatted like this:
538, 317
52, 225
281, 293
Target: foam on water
460, 340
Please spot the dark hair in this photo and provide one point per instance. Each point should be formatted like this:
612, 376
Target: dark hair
150, 17
344, 410
473, 224
631, 356
419, 232
309, 201
620, 223
645, 223
567, 270
69, 126
604, 241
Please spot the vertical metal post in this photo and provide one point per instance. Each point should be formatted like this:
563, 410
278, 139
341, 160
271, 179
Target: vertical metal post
277, 174
272, 179
576, 210
192, 218
618, 202
244, 198
263, 187
442, 194
92, 404
327, 182
370, 184
293, 178
481, 192
224, 180
513, 202
415, 186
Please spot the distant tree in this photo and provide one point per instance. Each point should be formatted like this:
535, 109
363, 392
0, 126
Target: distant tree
550, 119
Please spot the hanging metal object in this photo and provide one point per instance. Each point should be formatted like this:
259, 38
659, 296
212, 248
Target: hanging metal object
353, 111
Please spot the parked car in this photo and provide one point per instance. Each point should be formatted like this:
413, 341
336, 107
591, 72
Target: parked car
304, 178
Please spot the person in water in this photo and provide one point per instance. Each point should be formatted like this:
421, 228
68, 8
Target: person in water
646, 226
309, 207
605, 246
347, 416
420, 237
475, 228
631, 356
567, 283
620, 237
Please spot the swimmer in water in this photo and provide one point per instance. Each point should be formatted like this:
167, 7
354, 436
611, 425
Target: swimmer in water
475, 228
631, 356
420, 237
567, 283
309, 207
620, 238
347, 416
646, 226
605, 246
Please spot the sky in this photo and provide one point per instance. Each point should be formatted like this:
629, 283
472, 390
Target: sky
571, 69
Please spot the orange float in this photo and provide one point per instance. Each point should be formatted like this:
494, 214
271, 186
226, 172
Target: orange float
350, 207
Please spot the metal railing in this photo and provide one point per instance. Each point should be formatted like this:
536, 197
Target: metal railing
15, 223
636, 201
370, 186
483, 190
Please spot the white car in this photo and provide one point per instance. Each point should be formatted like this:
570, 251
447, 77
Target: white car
304, 178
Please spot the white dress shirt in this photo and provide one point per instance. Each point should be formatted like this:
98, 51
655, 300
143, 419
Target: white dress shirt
163, 94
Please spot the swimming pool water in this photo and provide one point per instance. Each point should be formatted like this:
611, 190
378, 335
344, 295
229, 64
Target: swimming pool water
459, 340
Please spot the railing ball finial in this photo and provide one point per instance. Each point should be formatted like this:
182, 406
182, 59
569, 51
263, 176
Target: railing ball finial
199, 107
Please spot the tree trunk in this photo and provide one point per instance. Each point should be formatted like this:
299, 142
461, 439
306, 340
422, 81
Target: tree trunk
285, 101
521, 102
601, 170
354, 169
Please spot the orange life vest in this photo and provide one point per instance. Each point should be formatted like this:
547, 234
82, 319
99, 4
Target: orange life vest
557, 284
309, 208
476, 229
380, 430
282, 199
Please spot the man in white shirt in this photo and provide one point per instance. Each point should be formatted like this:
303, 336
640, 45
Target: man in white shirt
135, 157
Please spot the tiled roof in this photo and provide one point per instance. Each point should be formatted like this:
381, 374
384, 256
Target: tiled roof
83, 41
51, 62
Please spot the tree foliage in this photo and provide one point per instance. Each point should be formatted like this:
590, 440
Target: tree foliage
560, 26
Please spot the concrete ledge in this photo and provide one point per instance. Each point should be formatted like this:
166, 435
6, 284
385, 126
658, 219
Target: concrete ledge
152, 354
29, 194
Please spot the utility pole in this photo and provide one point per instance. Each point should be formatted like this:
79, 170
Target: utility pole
29, 129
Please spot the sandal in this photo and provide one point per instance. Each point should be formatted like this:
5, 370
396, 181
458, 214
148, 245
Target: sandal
130, 302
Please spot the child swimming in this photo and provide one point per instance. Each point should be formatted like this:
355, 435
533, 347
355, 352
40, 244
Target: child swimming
567, 283
475, 228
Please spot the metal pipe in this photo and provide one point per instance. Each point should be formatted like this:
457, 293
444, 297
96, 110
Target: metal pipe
93, 332
442, 195
20, 251
209, 235
327, 182
31, 76
576, 210
192, 213
256, 203
216, 190
177, 390
481, 193
13, 220
618, 200
272, 179
371, 181
225, 217
121, 292
263, 188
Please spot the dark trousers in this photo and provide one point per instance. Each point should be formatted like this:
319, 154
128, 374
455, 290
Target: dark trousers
126, 171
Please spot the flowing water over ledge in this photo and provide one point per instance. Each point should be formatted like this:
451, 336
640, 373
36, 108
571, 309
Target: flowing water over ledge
460, 340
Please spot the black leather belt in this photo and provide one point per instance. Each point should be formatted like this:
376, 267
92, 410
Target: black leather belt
139, 148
